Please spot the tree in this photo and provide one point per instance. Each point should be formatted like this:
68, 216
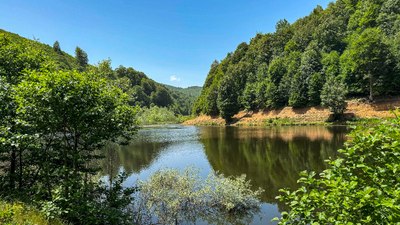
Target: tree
227, 101
70, 115
104, 69
15, 60
275, 96
367, 61
248, 99
298, 91
333, 96
56, 47
139, 97
161, 97
316, 80
331, 64
365, 15
81, 58
389, 17
211, 107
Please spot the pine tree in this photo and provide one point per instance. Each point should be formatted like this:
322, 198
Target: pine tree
81, 58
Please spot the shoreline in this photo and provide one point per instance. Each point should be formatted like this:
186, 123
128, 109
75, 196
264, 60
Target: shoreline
356, 111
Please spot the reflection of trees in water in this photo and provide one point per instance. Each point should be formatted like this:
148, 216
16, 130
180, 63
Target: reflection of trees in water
272, 158
133, 157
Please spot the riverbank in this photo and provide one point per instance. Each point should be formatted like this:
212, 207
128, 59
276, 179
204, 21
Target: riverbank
357, 109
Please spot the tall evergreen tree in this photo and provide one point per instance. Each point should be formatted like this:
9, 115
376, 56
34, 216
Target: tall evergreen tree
81, 58
56, 47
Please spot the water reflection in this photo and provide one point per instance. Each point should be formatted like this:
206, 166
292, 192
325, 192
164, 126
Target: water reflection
271, 157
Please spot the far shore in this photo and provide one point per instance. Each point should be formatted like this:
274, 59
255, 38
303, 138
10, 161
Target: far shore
356, 110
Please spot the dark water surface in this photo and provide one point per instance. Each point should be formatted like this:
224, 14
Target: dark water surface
270, 157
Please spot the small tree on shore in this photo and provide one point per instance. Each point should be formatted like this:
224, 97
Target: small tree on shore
333, 96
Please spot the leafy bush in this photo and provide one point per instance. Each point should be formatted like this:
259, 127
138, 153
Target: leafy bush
93, 203
333, 96
156, 115
360, 187
172, 197
18, 213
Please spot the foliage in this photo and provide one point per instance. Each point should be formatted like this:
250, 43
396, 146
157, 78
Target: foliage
21, 214
56, 47
362, 186
81, 58
58, 121
227, 100
356, 40
248, 100
367, 61
33, 50
156, 115
18, 53
174, 197
333, 96
93, 203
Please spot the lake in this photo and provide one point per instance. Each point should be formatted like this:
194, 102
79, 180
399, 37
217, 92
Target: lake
271, 157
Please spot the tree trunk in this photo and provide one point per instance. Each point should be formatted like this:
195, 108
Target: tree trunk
13, 166
20, 171
371, 97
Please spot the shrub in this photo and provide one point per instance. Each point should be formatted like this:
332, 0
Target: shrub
173, 197
18, 213
360, 187
156, 115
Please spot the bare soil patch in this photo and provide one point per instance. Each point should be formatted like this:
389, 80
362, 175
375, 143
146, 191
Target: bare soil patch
356, 108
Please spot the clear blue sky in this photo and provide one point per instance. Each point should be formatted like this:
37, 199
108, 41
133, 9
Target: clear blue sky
165, 39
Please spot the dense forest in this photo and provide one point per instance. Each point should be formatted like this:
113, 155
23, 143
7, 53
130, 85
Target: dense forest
142, 90
349, 49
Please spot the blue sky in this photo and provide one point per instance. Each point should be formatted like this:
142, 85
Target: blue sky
172, 41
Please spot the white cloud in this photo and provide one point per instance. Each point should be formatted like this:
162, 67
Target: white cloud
174, 78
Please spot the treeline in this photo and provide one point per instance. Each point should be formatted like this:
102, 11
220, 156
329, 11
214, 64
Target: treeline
142, 90
349, 49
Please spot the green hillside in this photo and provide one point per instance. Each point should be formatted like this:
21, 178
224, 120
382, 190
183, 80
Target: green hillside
193, 91
349, 49
187, 95
61, 59
142, 90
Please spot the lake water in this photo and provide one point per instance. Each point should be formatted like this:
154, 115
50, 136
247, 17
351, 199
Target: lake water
270, 157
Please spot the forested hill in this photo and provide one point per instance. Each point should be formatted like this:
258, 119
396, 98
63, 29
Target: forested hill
352, 45
193, 92
142, 90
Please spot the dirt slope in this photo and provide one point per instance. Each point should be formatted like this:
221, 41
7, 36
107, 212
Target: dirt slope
381, 108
